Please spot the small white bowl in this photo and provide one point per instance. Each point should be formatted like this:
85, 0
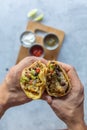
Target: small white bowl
27, 38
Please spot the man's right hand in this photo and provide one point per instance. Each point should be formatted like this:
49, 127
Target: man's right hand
70, 108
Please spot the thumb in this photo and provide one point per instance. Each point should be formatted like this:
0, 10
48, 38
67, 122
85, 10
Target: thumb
47, 98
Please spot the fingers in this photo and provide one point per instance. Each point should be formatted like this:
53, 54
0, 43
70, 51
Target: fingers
47, 98
75, 81
71, 72
29, 60
66, 67
26, 61
22, 98
43, 60
73, 76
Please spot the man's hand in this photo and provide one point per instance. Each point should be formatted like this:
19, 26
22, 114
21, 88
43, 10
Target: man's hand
11, 93
70, 108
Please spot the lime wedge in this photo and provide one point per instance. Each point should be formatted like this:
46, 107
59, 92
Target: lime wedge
32, 13
39, 18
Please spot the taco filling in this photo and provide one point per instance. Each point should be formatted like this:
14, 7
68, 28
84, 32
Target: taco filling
33, 80
57, 81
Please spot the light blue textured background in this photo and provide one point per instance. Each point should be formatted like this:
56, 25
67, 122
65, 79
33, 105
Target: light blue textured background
67, 15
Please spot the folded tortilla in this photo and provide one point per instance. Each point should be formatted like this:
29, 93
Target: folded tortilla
33, 80
58, 83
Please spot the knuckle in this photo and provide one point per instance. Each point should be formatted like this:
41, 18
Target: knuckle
31, 58
27, 58
12, 69
53, 104
40, 58
72, 68
12, 72
81, 89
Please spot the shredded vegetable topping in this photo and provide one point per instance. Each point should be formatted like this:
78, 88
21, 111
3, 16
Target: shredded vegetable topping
57, 83
38, 77
33, 80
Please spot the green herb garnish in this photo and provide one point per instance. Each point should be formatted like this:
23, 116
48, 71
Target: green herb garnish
23, 79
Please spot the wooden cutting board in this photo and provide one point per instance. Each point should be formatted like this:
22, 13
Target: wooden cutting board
35, 26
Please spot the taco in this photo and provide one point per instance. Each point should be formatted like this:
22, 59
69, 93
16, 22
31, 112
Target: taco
58, 83
33, 80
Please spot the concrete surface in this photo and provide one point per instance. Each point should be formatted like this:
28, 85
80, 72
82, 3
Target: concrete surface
67, 15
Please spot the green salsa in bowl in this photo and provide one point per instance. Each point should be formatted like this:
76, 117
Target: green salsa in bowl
51, 41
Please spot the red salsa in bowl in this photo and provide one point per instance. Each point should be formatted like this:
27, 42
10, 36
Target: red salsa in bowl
36, 50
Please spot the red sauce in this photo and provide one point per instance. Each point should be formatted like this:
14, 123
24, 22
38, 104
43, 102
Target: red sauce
36, 50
